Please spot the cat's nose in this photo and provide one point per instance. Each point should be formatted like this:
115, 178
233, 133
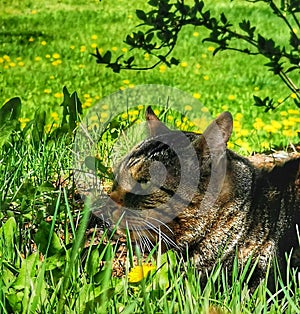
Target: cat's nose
117, 197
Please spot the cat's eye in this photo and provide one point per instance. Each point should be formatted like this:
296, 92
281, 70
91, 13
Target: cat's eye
144, 185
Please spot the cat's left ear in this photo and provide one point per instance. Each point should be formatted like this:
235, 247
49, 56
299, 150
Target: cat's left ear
217, 134
155, 126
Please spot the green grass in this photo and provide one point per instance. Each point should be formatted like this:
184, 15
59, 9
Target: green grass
46, 46
44, 265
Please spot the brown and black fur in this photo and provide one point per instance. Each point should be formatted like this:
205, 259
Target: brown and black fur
254, 212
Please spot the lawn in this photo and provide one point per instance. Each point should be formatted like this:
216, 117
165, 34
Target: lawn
45, 46
46, 263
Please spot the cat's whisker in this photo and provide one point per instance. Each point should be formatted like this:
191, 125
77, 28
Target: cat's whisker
163, 224
143, 240
165, 238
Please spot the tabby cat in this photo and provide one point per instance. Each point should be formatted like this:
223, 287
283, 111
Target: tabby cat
188, 190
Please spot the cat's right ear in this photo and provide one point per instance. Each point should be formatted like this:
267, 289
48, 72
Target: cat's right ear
155, 126
216, 135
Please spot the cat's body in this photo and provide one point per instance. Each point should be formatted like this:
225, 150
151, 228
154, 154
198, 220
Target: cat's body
235, 207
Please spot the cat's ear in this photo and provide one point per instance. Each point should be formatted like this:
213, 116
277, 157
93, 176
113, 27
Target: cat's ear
217, 134
155, 126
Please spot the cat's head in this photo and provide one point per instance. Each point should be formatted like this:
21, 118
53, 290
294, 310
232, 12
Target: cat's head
163, 177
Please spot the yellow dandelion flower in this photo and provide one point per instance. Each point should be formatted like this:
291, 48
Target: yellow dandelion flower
188, 108
206, 77
58, 95
94, 45
156, 111
31, 39
56, 62
162, 68
86, 96
244, 132
288, 133
224, 107
51, 77
47, 91
114, 48
130, 16
269, 128
124, 49
204, 109
184, 64
6, 58
295, 30
204, 55
56, 55
54, 115
97, 97
146, 56
265, 145
195, 34
170, 118
47, 56
256, 88
37, 59
86, 105
211, 49
140, 107
43, 43
283, 113
231, 97
131, 85
94, 37
81, 66
201, 123
126, 82
178, 123
294, 95
1, 60
94, 118
280, 100
23, 122
104, 115
21, 63
238, 116
122, 87
82, 48
198, 66
33, 11
230, 145
237, 125
133, 112
288, 123
12, 64
246, 147
293, 111
19, 58
295, 119
196, 95
124, 115
72, 47
276, 124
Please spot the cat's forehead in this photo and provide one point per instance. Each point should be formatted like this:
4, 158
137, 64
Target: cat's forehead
159, 146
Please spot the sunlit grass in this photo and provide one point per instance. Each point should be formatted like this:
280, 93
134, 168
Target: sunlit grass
42, 58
